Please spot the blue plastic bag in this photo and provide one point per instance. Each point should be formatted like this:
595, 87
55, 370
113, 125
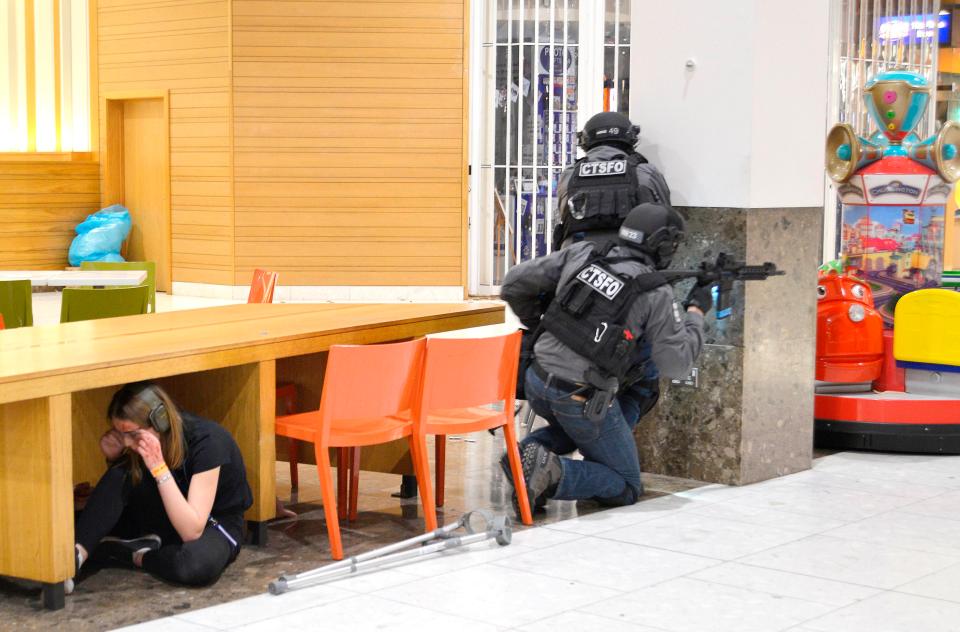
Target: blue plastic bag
100, 236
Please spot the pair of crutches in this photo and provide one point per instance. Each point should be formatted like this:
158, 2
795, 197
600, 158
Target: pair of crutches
444, 538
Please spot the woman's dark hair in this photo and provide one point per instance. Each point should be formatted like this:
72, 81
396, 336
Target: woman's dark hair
132, 403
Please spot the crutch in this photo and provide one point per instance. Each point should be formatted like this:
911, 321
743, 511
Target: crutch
528, 418
522, 408
497, 527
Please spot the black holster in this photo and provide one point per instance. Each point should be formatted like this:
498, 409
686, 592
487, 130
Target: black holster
604, 392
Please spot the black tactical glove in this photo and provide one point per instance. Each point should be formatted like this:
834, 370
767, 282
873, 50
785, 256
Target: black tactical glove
700, 296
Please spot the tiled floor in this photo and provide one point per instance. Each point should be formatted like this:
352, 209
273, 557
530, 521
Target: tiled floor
861, 543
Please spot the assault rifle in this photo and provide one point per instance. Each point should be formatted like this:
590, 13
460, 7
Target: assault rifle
724, 271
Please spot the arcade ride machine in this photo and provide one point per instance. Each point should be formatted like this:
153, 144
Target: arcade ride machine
880, 388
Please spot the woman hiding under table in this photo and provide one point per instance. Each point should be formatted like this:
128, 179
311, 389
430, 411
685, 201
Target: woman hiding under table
173, 497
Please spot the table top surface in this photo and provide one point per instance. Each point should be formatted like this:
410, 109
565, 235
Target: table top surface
73, 348
62, 278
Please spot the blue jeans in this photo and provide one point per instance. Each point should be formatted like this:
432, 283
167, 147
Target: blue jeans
610, 469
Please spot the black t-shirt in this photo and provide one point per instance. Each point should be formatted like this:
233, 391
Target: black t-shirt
210, 445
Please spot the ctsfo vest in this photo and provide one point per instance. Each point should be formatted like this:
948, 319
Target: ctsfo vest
589, 315
600, 194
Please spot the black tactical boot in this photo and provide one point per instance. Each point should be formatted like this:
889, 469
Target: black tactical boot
541, 471
539, 502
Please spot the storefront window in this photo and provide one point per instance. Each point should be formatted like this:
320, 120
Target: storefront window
616, 57
530, 125
529, 98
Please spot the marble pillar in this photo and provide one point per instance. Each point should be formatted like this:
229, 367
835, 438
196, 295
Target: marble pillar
751, 416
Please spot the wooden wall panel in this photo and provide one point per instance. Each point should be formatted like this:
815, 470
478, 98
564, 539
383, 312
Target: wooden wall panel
182, 46
349, 141
40, 204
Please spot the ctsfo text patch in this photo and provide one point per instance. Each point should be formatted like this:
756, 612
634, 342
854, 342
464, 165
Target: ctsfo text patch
605, 168
601, 281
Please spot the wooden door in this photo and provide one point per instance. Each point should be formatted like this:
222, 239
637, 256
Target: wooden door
137, 175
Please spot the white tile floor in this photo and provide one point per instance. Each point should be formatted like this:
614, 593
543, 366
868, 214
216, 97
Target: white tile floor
861, 543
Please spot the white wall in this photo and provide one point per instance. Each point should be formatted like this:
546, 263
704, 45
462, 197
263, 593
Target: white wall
790, 93
745, 127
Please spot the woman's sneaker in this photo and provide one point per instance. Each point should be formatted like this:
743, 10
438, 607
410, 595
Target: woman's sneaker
117, 550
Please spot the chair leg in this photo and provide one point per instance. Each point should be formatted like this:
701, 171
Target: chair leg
520, 485
287, 399
293, 454
418, 452
354, 482
329, 500
343, 480
440, 466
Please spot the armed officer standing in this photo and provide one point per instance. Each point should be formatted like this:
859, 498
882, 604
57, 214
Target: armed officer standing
609, 300
595, 194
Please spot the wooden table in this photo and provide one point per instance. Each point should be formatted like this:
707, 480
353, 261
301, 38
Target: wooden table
63, 278
219, 362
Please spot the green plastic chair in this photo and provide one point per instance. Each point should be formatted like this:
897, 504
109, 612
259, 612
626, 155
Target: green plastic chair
93, 303
16, 303
150, 282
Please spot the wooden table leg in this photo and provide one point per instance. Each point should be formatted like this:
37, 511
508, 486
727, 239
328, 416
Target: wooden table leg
36, 493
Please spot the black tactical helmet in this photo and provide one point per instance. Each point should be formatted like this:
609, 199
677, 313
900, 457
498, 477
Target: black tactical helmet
608, 127
654, 230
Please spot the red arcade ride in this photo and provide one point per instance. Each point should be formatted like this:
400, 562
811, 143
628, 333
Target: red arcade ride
887, 390
849, 330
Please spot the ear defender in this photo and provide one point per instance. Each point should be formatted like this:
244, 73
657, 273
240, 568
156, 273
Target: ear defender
159, 417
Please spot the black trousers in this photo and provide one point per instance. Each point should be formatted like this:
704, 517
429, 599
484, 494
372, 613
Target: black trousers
117, 508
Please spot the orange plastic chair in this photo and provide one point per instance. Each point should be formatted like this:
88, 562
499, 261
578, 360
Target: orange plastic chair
369, 397
2, 326
461, 377
261, 288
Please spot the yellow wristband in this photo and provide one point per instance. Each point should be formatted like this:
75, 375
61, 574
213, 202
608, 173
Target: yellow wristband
159, 470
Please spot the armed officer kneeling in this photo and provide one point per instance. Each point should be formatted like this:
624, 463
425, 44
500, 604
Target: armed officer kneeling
609, 300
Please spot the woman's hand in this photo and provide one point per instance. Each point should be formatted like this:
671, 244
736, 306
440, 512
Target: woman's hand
148, 447
111, 444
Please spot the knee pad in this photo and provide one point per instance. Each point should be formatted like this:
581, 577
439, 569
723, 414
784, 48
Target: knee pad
628, 496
